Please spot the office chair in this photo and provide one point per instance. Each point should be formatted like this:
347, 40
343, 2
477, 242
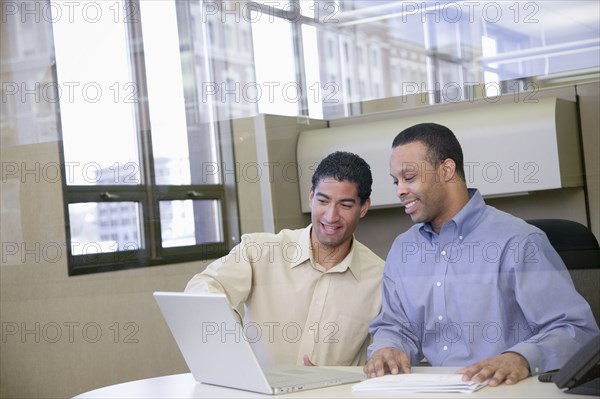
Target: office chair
579, 249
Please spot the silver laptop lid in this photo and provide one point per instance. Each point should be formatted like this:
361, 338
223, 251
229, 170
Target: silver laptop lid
209, 336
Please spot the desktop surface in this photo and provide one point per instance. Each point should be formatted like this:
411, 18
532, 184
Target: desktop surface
184, 386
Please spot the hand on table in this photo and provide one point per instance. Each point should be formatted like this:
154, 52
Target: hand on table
509, 367
387, 360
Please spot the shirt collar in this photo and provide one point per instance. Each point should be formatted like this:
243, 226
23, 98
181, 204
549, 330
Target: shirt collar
466, 219
347, 263
305, 247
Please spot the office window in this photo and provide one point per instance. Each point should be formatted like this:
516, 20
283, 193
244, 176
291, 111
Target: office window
159, 159
143, 179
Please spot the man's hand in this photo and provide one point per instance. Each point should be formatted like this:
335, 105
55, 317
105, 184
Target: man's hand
387, 360
307, 361
509, 367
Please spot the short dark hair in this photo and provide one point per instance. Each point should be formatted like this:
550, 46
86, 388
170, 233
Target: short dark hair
346, 166
441, 144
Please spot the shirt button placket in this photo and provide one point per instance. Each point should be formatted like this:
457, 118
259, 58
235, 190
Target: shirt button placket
440, 306
310, 342
440, 293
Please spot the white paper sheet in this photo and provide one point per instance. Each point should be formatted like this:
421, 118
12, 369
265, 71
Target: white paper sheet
419, 383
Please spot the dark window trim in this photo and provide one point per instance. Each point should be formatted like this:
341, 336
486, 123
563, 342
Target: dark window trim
152, 253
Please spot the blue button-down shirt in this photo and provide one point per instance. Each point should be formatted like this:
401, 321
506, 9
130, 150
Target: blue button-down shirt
487, 284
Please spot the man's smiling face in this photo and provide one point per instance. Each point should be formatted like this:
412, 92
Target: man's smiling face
335, 211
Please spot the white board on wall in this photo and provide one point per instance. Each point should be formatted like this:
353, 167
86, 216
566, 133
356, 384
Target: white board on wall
509, 149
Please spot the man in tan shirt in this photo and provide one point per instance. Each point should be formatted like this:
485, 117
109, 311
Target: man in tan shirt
307, 296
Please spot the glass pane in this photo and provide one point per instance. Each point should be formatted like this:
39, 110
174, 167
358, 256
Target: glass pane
541, 38
380, 49
316, 88
280, 92
216, 51
333, 89
449, 82
97, 94
190, 222
444, 38
29, 101
217, 68
166, 95
99, 227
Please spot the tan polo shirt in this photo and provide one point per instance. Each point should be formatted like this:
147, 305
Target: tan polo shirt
291, 306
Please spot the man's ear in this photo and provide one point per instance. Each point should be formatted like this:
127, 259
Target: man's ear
365, 207
448, 169
311, 194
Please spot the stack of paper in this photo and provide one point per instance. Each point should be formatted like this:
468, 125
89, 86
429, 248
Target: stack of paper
419, 383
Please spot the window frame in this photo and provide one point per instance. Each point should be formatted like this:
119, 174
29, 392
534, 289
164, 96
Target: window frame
148, 194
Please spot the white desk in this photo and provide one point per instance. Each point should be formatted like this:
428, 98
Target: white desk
184, 386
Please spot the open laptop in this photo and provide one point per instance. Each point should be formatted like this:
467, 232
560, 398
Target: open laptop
211, 340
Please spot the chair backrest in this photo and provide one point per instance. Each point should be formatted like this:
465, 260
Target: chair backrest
574, 242
578, 247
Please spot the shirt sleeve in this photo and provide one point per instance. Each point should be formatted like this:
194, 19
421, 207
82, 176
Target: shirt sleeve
230, 275
559, 318
391, 328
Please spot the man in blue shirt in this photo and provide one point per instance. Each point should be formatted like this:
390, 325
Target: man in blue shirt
469, 285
